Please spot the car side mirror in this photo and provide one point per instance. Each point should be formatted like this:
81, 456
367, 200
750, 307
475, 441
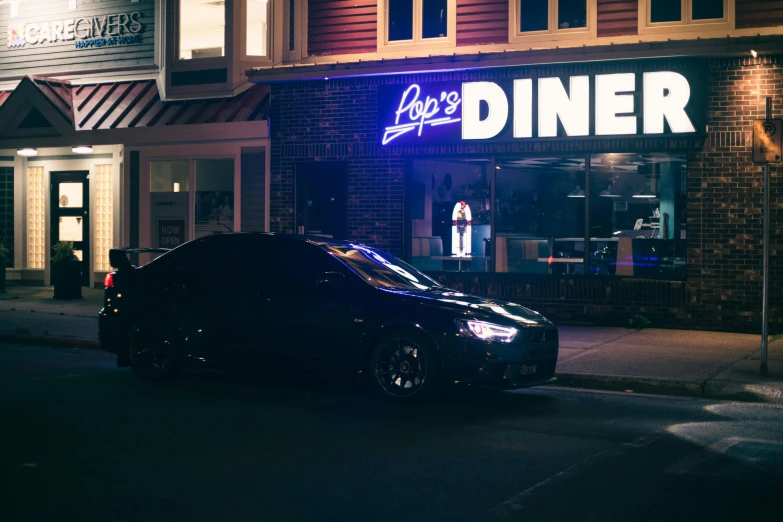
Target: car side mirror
332, 281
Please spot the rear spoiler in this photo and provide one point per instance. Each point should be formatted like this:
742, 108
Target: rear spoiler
118, 257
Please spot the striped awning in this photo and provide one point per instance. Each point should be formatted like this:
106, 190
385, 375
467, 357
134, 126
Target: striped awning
137, 103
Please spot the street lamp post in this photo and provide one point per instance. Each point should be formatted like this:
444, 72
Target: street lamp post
765, 267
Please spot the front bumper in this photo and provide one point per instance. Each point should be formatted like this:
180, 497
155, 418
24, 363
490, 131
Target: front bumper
500, 365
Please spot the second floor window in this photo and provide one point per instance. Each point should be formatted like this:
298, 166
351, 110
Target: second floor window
685, 11
416, 20
201, 29
540, 16
258, 18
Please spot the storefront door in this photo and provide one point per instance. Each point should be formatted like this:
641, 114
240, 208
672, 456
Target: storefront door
322, 200
71, 216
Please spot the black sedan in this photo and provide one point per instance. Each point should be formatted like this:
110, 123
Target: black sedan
232, 297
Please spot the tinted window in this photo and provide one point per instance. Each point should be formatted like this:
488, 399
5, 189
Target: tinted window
379, 268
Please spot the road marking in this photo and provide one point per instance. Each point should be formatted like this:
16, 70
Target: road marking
689, 463
516, 503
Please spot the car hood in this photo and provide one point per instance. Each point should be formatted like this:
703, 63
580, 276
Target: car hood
503, 312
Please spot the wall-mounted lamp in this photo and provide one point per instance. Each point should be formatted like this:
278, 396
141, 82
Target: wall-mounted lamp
27, 152
176, 187
82, 149
754, 54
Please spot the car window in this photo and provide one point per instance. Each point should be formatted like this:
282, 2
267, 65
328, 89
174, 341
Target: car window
379, 268
293, 265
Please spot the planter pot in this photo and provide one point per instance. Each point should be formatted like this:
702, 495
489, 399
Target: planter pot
67, 279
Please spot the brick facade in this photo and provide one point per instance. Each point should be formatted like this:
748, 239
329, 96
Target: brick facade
333, 120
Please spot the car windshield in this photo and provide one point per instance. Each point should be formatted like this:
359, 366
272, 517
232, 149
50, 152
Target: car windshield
379, 268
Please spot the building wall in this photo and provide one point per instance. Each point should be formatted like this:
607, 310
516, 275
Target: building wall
338, 120
66, 56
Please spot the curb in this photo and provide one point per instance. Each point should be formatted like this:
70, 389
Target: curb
771, 392
655, 386
61, 342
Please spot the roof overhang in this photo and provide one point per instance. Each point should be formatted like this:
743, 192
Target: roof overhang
716, 47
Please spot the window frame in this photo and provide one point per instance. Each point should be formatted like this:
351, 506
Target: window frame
270, 37
384, 45
686, 22
552, 32
180, 63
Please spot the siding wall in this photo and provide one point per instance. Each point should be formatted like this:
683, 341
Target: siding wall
63, 56
342, 27
482, 22
618, 17
758, 13
337, 120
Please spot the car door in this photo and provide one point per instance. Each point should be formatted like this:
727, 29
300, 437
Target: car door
203, 296
305, 312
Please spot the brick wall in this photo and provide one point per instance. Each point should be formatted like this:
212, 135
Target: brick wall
338, 120
725, 201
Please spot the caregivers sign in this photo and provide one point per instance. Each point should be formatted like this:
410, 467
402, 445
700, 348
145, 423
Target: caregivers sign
624, 104
93, 31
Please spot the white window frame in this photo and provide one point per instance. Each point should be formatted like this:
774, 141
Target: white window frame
553, 32
300, 30
686, 22
270, 37
227, 31
417, 42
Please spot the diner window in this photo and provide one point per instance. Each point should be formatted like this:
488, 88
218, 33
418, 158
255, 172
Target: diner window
600, 214
258, 27
450, 215
660, 14
540, 215
550, 16
202, 29
637, 215
419, 21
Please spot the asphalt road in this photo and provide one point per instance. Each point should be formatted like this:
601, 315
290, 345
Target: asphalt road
81, 440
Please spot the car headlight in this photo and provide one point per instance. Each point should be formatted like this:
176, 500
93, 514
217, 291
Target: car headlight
486, 331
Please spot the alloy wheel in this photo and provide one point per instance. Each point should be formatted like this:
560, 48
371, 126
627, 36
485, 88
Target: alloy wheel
401, 367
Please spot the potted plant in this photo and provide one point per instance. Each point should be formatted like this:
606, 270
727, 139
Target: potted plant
66, 271
5, 258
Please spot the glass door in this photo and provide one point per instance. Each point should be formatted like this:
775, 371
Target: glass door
70, 215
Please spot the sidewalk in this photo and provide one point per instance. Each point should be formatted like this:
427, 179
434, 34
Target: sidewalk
670, 362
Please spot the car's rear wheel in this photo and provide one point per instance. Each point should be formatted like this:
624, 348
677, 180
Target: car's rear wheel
153, 350
404, 366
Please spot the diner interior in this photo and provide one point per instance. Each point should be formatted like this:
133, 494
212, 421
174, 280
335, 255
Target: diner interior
630, 206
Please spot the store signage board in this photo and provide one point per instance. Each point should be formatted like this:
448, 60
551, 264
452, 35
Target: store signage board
86, 32
624, 104
767, 141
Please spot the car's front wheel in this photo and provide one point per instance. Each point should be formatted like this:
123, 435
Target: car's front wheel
153, 350
404, 366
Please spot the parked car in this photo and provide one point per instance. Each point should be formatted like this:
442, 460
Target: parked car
224, 297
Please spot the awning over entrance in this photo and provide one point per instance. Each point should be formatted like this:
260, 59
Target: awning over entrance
46, 108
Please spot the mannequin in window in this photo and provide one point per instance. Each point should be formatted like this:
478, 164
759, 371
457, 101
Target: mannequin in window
461, 230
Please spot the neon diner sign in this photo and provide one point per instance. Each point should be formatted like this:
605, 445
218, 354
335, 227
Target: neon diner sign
416, 113
624, 104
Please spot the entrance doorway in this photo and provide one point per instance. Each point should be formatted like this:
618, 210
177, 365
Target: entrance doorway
70, 215
321, 199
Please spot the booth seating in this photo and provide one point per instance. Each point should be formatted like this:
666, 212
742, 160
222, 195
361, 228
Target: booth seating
422, 251
521, 254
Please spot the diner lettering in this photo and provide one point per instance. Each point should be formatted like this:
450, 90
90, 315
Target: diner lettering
485, 110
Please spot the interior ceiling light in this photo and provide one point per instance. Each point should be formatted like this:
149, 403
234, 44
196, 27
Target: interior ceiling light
606, 193
82, 149
644, 194
27, 151
577, 193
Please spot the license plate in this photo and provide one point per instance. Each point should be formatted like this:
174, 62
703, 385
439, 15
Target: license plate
528, 369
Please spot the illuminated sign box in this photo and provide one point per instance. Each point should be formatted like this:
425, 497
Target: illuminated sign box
648, 103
